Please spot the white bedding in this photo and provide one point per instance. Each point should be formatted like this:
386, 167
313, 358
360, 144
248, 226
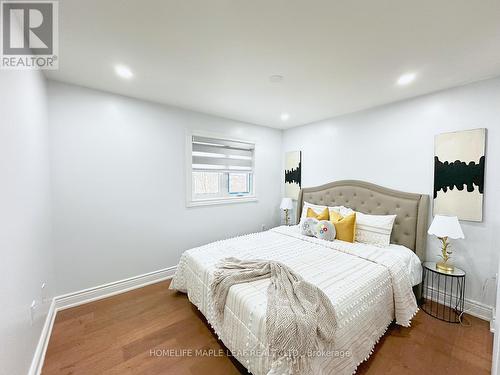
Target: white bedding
358, 279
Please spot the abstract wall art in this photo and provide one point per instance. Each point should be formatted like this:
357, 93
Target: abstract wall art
293, 161
459, 161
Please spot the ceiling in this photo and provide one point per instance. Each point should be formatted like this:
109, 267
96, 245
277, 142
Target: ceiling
336, 57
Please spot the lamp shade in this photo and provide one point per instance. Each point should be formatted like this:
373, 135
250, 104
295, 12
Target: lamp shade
286, 204
446, 226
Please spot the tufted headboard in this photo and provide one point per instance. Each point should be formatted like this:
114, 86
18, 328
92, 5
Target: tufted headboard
412, 210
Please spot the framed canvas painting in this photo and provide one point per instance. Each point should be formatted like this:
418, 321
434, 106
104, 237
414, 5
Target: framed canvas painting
459, 160
293, 161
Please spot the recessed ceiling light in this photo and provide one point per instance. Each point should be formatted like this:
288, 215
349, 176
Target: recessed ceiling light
276, 78
406, 79
284, 116
123, 71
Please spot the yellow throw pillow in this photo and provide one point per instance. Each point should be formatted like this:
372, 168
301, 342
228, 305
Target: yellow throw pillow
324, 215
345, 226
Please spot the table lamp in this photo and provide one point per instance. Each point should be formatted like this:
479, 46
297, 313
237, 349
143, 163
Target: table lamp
444, 227
286, 205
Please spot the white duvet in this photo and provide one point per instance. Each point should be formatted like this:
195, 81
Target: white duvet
368, 286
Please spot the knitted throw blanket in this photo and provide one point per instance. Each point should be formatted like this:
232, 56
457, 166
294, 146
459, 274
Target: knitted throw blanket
299, 315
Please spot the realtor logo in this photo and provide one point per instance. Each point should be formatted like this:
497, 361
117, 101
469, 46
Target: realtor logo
29, 35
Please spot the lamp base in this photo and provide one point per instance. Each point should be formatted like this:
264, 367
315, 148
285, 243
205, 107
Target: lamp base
445, 267
287, 217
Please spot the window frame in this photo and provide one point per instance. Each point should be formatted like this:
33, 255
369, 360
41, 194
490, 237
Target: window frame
249, 183
190, 201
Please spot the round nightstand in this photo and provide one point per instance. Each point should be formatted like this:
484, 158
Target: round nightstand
443, 293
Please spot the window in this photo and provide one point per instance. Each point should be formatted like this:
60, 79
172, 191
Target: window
221, 171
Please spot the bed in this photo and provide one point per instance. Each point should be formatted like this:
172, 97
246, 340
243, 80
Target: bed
362, 281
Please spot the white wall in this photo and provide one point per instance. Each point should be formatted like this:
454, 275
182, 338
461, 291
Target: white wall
495, 363
393, 146
25, 234
118, 173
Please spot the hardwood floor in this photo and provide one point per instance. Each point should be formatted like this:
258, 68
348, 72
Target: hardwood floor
126, 334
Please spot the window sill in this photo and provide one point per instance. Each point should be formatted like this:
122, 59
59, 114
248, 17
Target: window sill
210, 202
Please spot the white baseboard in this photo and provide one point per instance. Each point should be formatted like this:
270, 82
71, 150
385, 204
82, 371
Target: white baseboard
81, 297
492, 321
43, 341
478, 309
107, 290
472, 307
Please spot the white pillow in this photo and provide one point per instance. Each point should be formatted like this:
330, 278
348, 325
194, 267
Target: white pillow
374, 229
344, 211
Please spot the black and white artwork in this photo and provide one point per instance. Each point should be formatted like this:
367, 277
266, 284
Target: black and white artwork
459, 160
292, 174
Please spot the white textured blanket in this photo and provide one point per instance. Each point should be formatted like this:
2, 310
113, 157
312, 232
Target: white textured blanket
299, 315
367, 286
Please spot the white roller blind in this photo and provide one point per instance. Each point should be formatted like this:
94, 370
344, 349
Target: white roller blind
213, 154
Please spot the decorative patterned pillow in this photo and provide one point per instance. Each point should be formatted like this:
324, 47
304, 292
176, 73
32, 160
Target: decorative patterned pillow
374, 229
321, 229
325, 230
308, 225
